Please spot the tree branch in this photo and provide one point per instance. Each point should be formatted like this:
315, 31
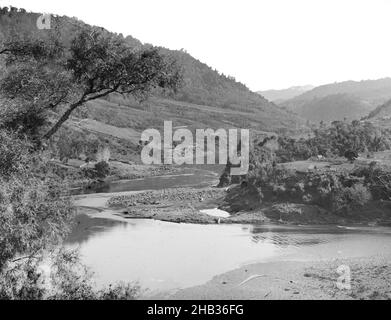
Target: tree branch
75, 105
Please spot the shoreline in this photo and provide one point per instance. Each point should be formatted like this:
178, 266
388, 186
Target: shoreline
184, 205
296, 280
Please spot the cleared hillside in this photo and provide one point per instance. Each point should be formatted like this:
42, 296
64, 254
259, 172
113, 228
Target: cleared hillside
232, 103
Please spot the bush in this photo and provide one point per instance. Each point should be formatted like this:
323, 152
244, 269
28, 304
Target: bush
102, 169
352, 197
22, 117
33, 215
378, 180
13, 154
68, 279
335, 140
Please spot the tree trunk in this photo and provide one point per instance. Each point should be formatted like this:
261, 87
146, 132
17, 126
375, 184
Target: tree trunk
67, 113
63, 118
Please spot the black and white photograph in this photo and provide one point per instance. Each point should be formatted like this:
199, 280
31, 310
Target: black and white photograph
179, 150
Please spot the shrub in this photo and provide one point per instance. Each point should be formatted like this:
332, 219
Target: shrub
68, 279
33, 215
352, 197
102, 169
378, 180
13, 154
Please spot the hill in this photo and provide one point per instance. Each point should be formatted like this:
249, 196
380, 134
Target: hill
382, 111
334, 107
349, 99
381, 116
279, 96
220, 100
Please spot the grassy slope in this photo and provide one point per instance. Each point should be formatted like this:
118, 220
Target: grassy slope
206, 100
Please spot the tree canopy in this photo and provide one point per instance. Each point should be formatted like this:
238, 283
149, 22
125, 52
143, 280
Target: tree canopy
47, 78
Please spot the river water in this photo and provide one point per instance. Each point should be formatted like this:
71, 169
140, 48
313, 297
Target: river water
164, 256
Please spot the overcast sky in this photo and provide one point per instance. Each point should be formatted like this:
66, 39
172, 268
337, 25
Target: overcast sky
264, 44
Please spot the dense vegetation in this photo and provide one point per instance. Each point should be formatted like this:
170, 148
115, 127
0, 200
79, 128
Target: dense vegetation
36, 213
45, 75
341, 190
201, 84
44, 78
334, 141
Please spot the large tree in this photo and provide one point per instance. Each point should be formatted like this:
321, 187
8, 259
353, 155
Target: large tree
50, 78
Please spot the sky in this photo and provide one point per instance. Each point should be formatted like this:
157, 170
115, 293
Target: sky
265, 44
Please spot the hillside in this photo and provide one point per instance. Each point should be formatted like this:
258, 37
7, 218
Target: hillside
279, 96
382, 111
334, 107
381, 116
349, 99
206, 99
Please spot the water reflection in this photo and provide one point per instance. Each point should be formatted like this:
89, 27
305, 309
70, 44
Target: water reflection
196, 179
85, 228
164, 256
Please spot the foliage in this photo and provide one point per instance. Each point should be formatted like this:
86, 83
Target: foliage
54, 75
335, 191
67, 279
352, 197
34, 215
22, 281
13, 154
335, 141
70, 280
71, 144
201, 84
351, 155
21, 117
102, 169
293, 150
378, 180
331, 190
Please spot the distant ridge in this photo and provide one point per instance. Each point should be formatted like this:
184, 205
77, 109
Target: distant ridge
278, 96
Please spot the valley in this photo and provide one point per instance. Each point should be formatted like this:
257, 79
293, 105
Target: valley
81, 205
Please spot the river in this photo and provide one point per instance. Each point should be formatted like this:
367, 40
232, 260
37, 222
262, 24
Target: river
164, 256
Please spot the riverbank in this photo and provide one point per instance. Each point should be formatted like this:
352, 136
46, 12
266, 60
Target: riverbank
292, 280
182, 195
186, 205
371, 275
